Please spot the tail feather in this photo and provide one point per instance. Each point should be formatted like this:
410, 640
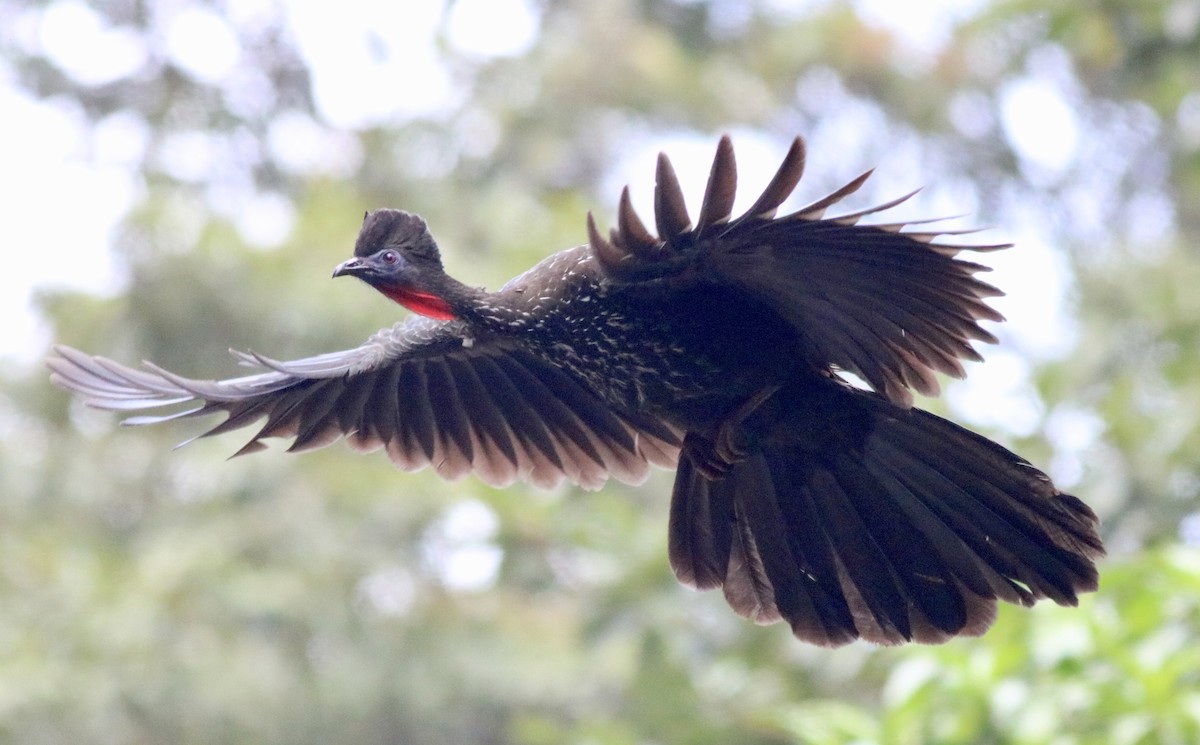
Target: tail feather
909, 528
995, 519
772, 565
933, 602
1015, 483
865, 565
975, 573
805, 576
700, 529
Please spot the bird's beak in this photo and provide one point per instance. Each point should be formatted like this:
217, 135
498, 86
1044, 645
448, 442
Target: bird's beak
350, 267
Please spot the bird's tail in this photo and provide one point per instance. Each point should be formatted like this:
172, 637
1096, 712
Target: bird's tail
909, 528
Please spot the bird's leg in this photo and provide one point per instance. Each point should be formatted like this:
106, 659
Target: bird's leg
713, 454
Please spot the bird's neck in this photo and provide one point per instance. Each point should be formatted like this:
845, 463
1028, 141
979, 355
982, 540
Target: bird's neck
445, 298
424, 303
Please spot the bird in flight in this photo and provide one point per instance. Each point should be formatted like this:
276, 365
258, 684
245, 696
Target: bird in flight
716, 347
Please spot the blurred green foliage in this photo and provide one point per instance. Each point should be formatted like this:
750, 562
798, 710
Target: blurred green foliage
160, 596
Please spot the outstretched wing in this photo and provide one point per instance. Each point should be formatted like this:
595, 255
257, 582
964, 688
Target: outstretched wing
890, 306
422, 390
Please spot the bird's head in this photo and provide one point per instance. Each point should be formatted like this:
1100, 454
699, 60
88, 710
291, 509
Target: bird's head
396, 255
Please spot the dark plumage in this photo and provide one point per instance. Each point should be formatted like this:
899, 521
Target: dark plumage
713, 346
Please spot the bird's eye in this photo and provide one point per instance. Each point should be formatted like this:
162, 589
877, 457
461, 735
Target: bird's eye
390, 257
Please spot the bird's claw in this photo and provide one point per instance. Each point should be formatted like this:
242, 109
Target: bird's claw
729, 443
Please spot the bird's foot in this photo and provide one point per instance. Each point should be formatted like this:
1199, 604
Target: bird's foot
715, 454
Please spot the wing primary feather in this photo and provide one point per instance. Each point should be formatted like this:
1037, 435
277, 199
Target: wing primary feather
315, 426
852, 218
350, 409
588, 409
452, 422
607, 253
143, 380
413, 409
633, 232
138, 421
815, 210
489, 423
281, 418
517, 411
94, 366
380, 415
558, 418
781, 185
719, 194
670, 210
241, 414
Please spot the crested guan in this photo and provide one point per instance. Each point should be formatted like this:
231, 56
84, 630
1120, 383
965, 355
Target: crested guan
713, 347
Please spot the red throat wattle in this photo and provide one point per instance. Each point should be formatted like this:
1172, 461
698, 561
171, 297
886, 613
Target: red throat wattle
425, 303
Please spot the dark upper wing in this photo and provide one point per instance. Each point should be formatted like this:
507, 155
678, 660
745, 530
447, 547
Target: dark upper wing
891, 306
421, 390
